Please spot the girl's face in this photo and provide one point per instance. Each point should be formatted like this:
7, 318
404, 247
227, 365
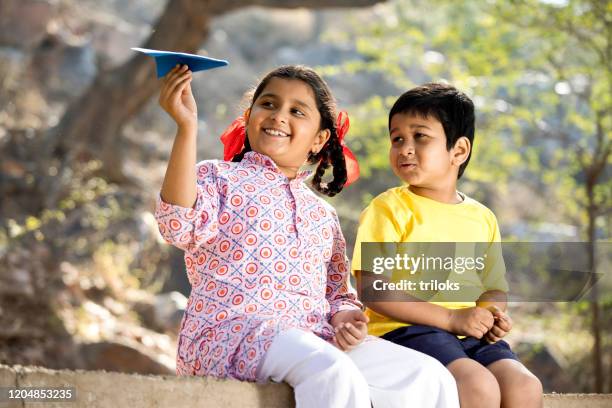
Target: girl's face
284, 122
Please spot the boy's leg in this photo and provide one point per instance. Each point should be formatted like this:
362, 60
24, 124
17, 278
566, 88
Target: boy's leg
519, 387
321, 375
477, 386
401, 377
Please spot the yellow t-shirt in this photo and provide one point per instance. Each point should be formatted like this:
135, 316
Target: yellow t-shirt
399, 215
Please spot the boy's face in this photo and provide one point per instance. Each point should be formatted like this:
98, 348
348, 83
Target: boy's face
418, 153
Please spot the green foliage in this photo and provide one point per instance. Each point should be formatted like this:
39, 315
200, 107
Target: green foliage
540, 75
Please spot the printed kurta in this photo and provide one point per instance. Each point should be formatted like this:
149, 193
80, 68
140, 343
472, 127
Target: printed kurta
263, 254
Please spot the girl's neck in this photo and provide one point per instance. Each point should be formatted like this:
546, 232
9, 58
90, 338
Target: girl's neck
289, 172
445, 195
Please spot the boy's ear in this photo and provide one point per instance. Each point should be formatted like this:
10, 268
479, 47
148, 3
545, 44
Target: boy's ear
461, 151
320, 140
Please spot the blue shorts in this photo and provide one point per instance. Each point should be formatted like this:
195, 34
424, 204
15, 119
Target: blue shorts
446, 347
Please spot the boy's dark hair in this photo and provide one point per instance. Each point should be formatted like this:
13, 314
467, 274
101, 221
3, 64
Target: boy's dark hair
331, 153
451, 107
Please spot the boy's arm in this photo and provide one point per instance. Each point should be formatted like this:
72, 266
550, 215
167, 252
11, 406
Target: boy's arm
414, 312
472, 321
492, 298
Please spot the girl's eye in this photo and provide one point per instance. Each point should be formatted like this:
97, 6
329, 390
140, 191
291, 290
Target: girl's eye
297, 112
267, 104
397, 140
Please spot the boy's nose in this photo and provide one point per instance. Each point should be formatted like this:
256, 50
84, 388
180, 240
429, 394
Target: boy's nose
407, 149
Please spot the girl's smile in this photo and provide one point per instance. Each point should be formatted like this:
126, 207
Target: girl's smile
275, 133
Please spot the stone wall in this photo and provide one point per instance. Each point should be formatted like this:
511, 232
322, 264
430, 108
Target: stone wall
96, 389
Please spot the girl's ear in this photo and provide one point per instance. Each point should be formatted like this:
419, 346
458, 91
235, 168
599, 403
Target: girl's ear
461, 151
247, 113
320, 140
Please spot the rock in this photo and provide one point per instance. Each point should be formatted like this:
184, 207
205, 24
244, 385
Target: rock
541, 361
121, 358
63, 65
162, 313
168, 309
23, 23
12, 61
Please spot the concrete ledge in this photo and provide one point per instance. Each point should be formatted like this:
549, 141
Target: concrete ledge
105, 389
96, 389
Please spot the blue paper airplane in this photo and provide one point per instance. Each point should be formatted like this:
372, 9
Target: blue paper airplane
166, 60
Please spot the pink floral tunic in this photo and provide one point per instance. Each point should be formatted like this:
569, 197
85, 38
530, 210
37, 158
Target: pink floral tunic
263, 254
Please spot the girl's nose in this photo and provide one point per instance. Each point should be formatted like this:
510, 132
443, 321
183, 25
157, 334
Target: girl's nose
279, 116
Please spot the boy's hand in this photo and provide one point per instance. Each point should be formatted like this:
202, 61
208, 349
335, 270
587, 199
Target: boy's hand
351, 328
503, 325
176, 97
471, 321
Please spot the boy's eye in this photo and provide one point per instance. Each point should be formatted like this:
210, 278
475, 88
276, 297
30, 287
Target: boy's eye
297, 112
418, 136
397, 139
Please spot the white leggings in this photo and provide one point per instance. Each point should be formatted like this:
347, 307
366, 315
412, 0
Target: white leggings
376, 372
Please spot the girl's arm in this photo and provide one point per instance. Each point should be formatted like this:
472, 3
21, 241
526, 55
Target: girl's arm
339, 293
187, 208
179, 186
176, 98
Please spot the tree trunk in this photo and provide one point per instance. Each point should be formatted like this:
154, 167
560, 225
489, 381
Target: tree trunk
91, 128
594, 296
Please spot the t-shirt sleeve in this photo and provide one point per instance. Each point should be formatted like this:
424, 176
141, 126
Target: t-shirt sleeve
189, 228
377, 223
494, 276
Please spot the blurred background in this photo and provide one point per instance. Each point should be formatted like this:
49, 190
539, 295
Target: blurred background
85, 280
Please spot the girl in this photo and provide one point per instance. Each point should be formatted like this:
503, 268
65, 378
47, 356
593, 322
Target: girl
266, 258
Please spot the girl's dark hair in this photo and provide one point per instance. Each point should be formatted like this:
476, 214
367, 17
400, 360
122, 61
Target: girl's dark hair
331, 153
445, 103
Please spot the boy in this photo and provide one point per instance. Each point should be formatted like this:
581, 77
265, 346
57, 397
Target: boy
432, 131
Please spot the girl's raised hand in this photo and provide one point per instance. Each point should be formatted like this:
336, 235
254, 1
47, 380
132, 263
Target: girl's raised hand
176, 97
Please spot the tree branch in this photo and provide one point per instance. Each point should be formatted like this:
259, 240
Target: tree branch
91, 126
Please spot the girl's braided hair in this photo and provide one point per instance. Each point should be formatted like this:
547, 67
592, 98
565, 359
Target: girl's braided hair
331, 154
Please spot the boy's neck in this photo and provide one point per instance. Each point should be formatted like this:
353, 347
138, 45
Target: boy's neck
444, 195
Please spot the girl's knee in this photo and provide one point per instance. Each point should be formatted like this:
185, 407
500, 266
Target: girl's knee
327, 362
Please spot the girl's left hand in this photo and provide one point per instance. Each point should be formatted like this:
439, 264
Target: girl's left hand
351, 328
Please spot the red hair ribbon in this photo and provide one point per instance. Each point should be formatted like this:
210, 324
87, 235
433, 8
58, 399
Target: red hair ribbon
234, 136
352, 167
